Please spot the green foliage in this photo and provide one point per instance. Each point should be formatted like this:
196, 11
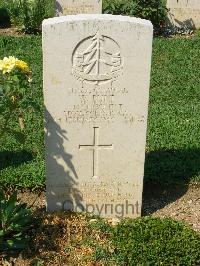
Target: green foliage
13, 101
119, 7
150, 241
28, 14
153, 10
15, 219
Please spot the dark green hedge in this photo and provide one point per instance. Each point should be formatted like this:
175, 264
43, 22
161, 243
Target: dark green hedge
29, 17
153, 10
26, 15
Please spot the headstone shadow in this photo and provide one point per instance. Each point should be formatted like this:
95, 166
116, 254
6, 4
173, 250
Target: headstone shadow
14, 158
188, 23
167, 176
55, 136
58, 8
4, 18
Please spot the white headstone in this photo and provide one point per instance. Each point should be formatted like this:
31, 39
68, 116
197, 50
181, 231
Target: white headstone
184, 13
72, 7
96, 90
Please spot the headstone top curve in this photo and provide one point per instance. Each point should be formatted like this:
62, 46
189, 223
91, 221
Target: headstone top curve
100, 17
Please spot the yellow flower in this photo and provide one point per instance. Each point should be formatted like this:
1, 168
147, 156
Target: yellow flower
10, 63
13, 98
23, 66
7, 64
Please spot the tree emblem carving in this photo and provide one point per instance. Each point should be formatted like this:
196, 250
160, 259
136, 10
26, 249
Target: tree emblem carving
97, 60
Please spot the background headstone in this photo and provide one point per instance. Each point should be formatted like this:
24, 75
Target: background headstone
73, 7
184, 13
96, 90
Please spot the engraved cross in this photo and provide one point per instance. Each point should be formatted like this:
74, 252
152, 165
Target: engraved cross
95, 148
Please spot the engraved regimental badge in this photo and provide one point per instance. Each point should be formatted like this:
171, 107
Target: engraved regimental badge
97, 60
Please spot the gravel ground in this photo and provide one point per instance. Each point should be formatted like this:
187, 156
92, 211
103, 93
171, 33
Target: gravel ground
178, 202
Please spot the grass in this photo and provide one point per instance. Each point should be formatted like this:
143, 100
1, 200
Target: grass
148, 241
173, 142
23, 165
173, 131
76, 239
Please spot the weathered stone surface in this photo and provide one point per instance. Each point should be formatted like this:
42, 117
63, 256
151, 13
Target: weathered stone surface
96, 90
73, 7
184, 13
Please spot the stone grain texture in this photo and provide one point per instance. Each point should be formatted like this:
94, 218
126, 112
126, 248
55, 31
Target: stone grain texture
73, 7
